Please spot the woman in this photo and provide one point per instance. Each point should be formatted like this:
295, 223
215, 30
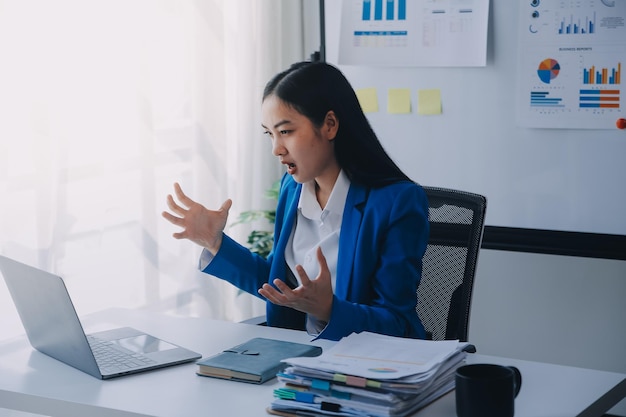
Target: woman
346, 215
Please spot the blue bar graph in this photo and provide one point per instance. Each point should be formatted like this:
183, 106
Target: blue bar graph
401, 9
367, 9
378, 9
541, 99
574, 27
386, 9
390, 9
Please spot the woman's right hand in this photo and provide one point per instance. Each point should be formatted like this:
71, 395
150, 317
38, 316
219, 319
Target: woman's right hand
200, 225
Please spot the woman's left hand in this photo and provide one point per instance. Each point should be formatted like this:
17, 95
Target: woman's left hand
314, 297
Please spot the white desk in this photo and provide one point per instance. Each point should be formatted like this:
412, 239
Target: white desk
33, 382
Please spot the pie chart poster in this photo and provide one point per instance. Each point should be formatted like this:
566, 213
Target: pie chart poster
571, 64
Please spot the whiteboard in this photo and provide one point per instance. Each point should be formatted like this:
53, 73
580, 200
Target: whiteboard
553, 179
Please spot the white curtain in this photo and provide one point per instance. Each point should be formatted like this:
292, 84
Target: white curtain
104, 104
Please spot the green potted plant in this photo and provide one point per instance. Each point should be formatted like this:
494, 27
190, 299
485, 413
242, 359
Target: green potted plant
261, 241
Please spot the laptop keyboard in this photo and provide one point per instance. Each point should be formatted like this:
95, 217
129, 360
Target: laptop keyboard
112, 358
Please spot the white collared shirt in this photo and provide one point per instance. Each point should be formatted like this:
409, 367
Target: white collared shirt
315, 227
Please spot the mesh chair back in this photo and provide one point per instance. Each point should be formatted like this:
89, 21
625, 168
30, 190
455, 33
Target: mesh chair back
457, 220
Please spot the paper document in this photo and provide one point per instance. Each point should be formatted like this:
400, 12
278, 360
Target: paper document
371, 375
433, 33
380, 357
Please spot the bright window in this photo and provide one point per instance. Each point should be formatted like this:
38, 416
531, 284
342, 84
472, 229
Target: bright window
103, 106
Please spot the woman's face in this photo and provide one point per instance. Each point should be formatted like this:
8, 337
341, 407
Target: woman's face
305, 149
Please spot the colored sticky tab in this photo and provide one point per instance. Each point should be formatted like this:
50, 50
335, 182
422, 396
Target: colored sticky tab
320, 384
356, 381
342, 395
340, 378
368, 99
305, 397
374, 384
429, 102
399, 101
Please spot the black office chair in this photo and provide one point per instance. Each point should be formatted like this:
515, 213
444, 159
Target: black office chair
457, 220
444, 295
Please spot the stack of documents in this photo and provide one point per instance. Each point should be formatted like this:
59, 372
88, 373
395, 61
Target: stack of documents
368, 374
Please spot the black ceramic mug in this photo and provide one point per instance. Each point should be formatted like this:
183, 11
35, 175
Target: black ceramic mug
486, 390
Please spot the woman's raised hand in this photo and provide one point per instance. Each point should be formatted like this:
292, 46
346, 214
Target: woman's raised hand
200, 225
312, 296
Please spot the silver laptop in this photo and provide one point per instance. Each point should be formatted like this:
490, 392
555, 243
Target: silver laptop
53, 328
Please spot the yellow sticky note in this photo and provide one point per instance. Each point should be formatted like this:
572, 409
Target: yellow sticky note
399, 101
429, 101
368, 98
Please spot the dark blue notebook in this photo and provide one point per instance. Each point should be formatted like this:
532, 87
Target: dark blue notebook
256, 361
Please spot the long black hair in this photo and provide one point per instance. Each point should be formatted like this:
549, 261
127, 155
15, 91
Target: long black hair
315, 88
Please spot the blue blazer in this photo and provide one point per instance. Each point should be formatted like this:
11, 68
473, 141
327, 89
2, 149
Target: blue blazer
383, 237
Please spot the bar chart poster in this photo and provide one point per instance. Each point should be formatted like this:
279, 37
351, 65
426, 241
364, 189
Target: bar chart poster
438, 33
572, 56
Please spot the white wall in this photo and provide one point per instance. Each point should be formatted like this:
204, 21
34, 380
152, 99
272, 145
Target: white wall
547, 308
533, 178
555, 309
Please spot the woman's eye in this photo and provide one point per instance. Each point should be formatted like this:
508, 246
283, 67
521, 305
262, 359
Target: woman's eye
285, 132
